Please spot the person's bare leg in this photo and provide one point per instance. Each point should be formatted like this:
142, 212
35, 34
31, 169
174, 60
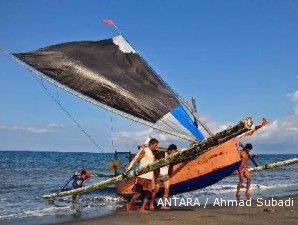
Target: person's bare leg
74, 198
166, 185
239, 186
248, 183
145, 201
132, 201
154, 193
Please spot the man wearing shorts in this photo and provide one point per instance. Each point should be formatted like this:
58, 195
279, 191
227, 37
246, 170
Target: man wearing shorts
245, 155
145, 182
163, 179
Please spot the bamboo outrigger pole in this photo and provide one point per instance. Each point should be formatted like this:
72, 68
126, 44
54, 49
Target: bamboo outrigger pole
181, 156
274, 165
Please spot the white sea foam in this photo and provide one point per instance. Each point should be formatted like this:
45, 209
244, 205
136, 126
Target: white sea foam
61, 210
38, 212
229, 188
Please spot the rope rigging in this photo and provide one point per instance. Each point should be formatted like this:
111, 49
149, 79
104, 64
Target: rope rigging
57, 101
112, 132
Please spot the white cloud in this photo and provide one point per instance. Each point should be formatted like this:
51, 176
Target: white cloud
215, 126
282, 134
295, 100
283, 131
34, 130
279, 136
2, 127
55, 125
139, 136
295, 97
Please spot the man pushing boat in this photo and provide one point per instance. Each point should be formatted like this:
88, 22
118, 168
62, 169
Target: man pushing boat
145, 182
244, 151
77, 179
163, 177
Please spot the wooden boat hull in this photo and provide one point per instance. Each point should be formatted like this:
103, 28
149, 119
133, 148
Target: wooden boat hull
205, 170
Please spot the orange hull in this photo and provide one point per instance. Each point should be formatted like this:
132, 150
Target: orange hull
203, 171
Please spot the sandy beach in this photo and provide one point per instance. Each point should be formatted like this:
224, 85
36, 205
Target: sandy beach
253, 214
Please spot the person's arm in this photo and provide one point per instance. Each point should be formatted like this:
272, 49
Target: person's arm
171, 170
241, 154
137, 158
254, 156
88, 175
251, 132
65, 185
239, 145
253, 160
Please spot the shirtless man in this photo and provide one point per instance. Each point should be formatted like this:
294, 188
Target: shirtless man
145, 182
245, 156
163, 178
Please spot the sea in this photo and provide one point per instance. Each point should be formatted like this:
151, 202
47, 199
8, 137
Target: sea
26, 175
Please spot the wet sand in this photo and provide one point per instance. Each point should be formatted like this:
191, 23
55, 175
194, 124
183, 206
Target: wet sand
210, 215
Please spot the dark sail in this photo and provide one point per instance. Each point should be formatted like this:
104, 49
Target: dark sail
112, 73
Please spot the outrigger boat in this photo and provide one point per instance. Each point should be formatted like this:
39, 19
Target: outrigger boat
111, 74
199, 172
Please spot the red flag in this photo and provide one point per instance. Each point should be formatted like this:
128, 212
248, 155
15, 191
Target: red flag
108, 21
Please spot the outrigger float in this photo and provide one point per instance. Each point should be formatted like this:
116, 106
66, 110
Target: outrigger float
112, 75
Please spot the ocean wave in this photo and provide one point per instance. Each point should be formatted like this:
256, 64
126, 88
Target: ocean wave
273, 186
228, 188
38, 212
62, 207
11, 187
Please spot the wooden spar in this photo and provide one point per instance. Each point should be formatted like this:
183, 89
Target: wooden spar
194, 106
185, 154
274, 165
195, 115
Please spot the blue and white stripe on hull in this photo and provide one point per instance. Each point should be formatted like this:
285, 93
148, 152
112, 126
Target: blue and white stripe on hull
178, 121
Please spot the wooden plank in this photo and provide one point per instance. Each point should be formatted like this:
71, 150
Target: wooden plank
185, 154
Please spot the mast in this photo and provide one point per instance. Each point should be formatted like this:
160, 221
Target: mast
194, 106
196, 116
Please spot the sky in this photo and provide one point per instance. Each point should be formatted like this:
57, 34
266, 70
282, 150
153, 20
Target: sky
237, 58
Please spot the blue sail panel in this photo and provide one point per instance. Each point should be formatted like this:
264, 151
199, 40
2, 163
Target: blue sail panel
184, 119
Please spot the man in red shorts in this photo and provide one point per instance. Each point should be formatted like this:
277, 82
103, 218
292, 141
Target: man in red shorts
145, 182
245, 156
